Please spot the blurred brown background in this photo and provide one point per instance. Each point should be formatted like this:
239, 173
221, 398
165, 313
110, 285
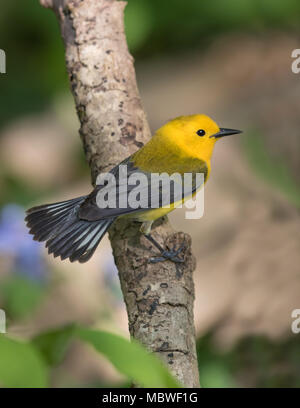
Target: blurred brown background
231, 62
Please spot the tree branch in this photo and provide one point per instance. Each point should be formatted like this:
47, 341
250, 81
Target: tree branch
159, 297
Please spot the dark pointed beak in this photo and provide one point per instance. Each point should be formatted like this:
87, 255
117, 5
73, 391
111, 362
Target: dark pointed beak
226, 132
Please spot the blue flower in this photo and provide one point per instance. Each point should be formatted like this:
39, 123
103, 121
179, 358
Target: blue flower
17, 243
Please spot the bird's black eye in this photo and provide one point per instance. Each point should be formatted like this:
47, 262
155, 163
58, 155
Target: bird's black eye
200, 132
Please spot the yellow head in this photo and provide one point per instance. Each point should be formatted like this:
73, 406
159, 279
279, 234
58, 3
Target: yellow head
194, 134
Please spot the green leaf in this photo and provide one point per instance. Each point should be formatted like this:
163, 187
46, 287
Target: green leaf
21, 366
54, 344
130, 359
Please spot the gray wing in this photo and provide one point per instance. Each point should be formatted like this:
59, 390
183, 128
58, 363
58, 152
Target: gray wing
127, 189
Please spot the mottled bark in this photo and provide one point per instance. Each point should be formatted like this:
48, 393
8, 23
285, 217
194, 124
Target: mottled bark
159, 297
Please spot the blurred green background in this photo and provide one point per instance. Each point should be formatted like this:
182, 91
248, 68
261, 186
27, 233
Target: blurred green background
231, 60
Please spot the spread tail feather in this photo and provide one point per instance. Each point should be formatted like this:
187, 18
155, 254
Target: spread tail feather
66, 235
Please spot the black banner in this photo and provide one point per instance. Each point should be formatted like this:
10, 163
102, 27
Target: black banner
132, 397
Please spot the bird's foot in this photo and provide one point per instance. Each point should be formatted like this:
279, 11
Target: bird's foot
171, 255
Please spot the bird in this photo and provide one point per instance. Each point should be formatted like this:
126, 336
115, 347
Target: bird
74, 228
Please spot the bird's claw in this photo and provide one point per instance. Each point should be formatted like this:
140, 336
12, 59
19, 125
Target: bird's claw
169, 256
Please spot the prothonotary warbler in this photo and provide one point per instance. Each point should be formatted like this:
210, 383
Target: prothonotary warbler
73, 228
